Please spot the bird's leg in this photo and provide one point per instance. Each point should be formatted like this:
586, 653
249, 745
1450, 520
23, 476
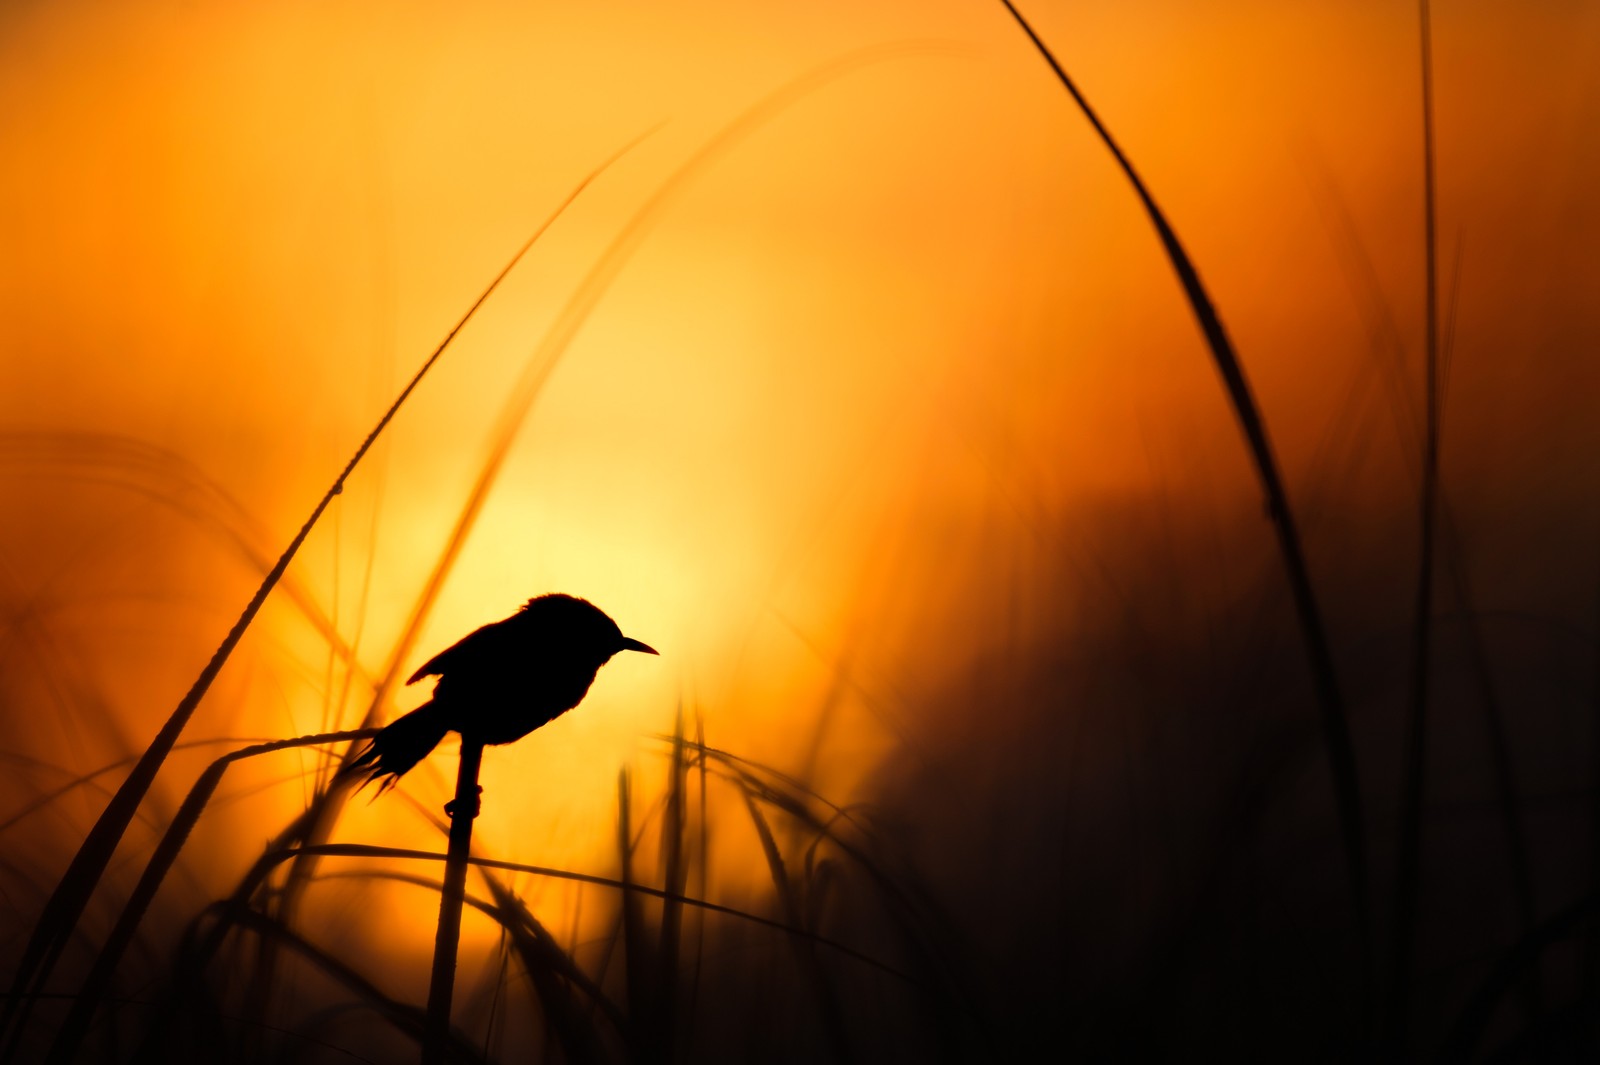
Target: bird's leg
454, 806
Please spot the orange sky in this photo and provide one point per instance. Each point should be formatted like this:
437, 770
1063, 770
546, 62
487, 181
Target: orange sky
906, 320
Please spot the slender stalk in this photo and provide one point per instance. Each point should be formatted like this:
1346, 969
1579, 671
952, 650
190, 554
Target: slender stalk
1335, 726
1408, 861
463, 810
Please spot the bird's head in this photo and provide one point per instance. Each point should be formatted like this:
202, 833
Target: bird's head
582, 625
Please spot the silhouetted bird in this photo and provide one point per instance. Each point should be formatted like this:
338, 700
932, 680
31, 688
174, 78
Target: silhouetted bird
501, 682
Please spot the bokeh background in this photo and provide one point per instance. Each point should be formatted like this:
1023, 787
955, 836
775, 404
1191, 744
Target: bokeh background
884, 420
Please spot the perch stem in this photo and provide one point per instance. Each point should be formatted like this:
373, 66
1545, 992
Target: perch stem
463, 810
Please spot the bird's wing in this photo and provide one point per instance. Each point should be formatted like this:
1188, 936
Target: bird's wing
463, 652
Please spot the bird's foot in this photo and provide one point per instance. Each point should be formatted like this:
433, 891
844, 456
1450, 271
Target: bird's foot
470, 808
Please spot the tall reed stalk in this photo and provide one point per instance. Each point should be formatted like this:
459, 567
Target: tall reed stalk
1335, 725
463, 810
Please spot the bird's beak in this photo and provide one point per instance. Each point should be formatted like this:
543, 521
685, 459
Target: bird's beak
635, 645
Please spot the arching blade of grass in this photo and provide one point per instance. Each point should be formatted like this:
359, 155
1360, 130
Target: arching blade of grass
1335, 725
67, 902
98, 982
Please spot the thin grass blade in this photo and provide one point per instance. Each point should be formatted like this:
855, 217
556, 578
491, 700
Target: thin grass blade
1335, 725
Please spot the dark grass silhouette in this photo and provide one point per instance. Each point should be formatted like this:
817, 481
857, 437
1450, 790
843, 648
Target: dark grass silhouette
856, 919
1313, 629
500, 682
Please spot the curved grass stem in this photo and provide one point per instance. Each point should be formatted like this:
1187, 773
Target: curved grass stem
1335, 725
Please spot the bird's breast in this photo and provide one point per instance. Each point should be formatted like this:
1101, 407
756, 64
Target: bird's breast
503, 708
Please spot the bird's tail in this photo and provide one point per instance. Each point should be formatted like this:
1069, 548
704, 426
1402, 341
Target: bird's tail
402, 744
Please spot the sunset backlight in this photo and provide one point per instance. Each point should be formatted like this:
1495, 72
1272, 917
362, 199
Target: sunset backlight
860, 387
